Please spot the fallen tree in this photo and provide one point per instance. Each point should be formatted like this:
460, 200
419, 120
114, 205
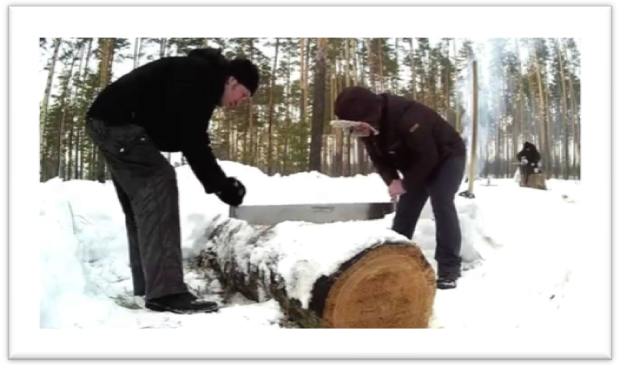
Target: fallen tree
337, 275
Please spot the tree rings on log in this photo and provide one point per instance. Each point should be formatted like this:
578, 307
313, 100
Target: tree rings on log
390, 286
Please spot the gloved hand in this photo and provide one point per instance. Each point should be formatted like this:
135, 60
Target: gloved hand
232, 192
523, 161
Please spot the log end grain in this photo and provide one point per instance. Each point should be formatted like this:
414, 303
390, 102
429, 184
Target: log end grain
391, 286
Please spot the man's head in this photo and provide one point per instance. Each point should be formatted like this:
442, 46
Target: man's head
529, 146
358, 104
241, 84
243, 77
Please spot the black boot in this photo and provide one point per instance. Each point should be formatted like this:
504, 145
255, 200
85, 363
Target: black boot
447, 281
184, 303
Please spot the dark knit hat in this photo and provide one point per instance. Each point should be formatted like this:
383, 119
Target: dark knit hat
358, 104
246, 73
241, 69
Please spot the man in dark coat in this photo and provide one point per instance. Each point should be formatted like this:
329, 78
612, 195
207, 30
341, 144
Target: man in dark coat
529, 157
417, 142
166, 105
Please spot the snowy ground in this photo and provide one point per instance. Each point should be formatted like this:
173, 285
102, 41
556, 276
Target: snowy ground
519, 246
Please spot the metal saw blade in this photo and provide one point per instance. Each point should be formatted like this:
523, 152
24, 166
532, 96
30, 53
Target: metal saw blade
313, 213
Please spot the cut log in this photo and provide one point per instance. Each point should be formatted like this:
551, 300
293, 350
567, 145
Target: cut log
536, 181
532, 180
370, 278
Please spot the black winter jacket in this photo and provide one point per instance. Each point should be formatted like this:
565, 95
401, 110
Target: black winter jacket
413, 139
173, 98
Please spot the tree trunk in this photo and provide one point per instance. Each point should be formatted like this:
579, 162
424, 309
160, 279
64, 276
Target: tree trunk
231, 139
447, 78
70, 169
65, 114
522, 132
516, 119
305, 59
318, 108
271, 108
397, 71
252, 155
162, 48
564, 113
105, 66
78, 155
535, 128
576, 135
325, 152
48, 89
387, 285
506, 152
371, 66
544, 148
474, 139
413, 70
361, 152
78, 148
498, 148
347, 83
338, 163
302, 72
354, 49
136, 53
548, 127
379, 54
287, 127
457, 118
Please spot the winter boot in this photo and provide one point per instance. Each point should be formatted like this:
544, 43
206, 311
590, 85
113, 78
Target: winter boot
183, 303
447, 281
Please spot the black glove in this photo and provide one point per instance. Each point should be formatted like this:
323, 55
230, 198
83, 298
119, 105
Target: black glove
231, 192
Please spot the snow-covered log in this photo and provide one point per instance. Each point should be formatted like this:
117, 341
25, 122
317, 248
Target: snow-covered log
337, 275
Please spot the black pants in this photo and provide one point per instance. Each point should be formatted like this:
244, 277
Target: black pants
147, 190
442, 189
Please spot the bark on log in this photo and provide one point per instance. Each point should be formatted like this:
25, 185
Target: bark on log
384, 283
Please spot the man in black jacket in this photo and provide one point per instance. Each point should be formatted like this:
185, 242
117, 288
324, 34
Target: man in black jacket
529, 157
166, 105
417, 142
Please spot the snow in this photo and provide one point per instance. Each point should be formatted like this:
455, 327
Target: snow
520, 251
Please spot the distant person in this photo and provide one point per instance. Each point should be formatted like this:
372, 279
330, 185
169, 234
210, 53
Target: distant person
166, 105
529, 157
403, 135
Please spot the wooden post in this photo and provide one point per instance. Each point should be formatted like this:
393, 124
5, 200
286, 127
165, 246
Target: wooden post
474, 142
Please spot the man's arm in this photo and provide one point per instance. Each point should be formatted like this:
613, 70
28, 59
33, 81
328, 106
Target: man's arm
386, 170
193, 93
197, 150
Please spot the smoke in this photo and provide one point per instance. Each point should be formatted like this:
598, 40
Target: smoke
490, 55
